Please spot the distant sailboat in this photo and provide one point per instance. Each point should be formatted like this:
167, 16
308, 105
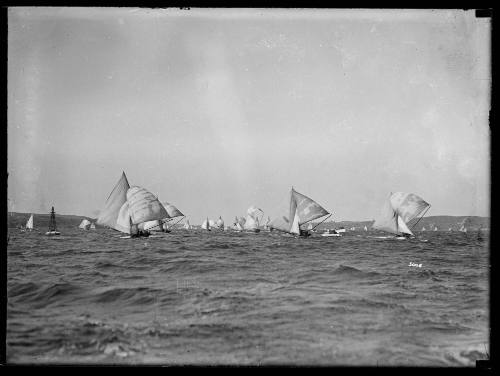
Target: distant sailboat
399, 209
239, 223
220, 224
366, 228
266, 225
52, 224
92, 226
85, 224
435, 228
187, 226
302, 210
206, 225
423, 228
29, 224
252, 220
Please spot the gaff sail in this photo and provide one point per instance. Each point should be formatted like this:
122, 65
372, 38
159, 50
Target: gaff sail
397, 211
144, 206
302, 209
172, 211
114, 207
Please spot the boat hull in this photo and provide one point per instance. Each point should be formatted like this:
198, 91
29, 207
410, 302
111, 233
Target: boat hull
52, 233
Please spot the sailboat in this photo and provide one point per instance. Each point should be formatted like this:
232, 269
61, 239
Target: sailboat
423, 228
85, 224
239, 223
266, 225
127, 209
206, 225
399, 209
435, 228
187, 226
252, 220
366, 228
302, 210
52, 224
29, 224
92, 226
220, 224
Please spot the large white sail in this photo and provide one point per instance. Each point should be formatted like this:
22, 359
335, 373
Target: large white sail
85, 224
302, 209
114, 206
307, 209
29, 224
144, 206
397, 211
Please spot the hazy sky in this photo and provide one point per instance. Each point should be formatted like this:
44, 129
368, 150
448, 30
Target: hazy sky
218, 110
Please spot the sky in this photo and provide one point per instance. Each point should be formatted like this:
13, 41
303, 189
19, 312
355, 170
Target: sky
216, 110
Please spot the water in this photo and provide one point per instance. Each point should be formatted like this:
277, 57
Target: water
231, 298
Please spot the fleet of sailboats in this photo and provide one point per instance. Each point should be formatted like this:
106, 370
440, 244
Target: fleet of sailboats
399, 209
134, 211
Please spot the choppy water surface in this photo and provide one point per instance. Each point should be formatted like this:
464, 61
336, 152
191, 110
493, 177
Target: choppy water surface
231, 298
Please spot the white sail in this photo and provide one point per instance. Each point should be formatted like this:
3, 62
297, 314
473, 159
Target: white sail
172, 210
366, 228
220, 223
114, 207
397, 211
295, 229
206, 224
211, 222
302, 209
29, 224
92, 226
187, 226
144, 206
85, 224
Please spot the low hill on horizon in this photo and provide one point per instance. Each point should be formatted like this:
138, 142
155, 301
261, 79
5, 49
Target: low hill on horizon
442, 222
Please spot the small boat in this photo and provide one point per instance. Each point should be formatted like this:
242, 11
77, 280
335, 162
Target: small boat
206, 224
252, 220
187, 226
398, 210
331, 232
85, 224
266, 225
302, 210
220, 223
52, 224
92, 226
29, 224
